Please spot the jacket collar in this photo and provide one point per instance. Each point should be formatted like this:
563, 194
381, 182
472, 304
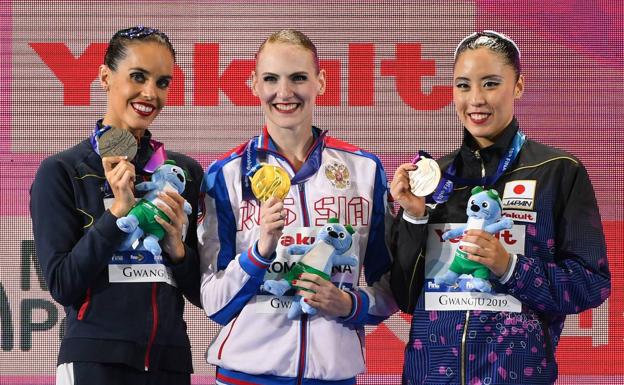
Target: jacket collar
259, 148
145, 150
490, 155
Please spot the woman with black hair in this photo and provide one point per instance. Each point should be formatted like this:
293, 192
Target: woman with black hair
123, 308
562, 268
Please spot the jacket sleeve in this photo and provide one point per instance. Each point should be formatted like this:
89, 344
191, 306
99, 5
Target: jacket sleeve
228, 280
73, 247
407, 240
578, 277
374, 303
186, 273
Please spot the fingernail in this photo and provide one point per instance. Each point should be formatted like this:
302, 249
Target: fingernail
305, 300
294, 282
461, 247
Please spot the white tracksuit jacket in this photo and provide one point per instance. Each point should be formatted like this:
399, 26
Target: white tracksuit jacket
258, 343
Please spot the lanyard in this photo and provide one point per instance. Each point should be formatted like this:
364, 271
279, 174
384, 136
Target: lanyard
159, 156
444, 190
257, 150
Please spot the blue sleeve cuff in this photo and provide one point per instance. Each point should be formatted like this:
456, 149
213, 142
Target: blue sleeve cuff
253, 263
359, 308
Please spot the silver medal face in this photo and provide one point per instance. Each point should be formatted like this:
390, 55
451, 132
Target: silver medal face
117, 142
425, 179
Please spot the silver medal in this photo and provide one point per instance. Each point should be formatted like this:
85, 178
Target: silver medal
117, 142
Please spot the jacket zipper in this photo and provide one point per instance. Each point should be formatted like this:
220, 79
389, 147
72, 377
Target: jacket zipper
465, 332
85, 305
463, 349
302, 347
154, 325
478, 156
463, 341
304, 317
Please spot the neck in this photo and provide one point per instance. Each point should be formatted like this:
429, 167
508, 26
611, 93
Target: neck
484, 142
294, 145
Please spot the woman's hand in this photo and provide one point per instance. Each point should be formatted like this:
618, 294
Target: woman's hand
326, 297
272, 221
120, 174
488, 252
172, 204
401, 192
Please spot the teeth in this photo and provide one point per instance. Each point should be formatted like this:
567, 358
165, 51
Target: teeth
479, 116
286, 107
143, 108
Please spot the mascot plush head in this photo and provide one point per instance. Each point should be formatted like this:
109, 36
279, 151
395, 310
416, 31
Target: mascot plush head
337, 235
169, 173
485, 204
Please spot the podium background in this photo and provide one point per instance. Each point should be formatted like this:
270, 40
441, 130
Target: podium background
389, 91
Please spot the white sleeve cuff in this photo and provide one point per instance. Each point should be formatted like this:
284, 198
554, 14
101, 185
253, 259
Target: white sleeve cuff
415, 220
512, 266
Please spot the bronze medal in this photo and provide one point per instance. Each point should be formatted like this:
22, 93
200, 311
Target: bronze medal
425, 179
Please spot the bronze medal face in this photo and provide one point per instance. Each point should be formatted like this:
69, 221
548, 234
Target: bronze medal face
425, 179
117, 142
268, 181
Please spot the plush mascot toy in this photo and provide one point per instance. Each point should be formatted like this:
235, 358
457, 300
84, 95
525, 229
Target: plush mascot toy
331, 242
140, 220
484, 212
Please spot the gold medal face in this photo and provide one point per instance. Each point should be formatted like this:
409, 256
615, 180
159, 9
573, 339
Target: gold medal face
117, 142
268, 181
425, 179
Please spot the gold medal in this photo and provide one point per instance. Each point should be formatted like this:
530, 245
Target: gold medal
424, 180
117, 142
268, 181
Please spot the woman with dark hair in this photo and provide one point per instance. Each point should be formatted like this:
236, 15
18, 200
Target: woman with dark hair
123, 307
562, 268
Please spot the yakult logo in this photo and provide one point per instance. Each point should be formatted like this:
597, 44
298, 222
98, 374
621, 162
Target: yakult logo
505, 236
296, 239
408, 68
521, 216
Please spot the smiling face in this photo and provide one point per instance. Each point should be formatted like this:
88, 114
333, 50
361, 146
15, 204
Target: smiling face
485, 87
287, 82
137, 90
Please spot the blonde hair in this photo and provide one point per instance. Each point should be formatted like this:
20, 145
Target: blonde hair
294, 37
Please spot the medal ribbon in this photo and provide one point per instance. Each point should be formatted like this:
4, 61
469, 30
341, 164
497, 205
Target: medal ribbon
257, 150
156, 160
98, 131
445, 187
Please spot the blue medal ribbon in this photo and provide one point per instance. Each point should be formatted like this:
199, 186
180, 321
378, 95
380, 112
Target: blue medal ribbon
256, 152
445, 187
158, 157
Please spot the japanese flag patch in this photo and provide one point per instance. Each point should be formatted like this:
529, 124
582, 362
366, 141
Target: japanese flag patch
519, 194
